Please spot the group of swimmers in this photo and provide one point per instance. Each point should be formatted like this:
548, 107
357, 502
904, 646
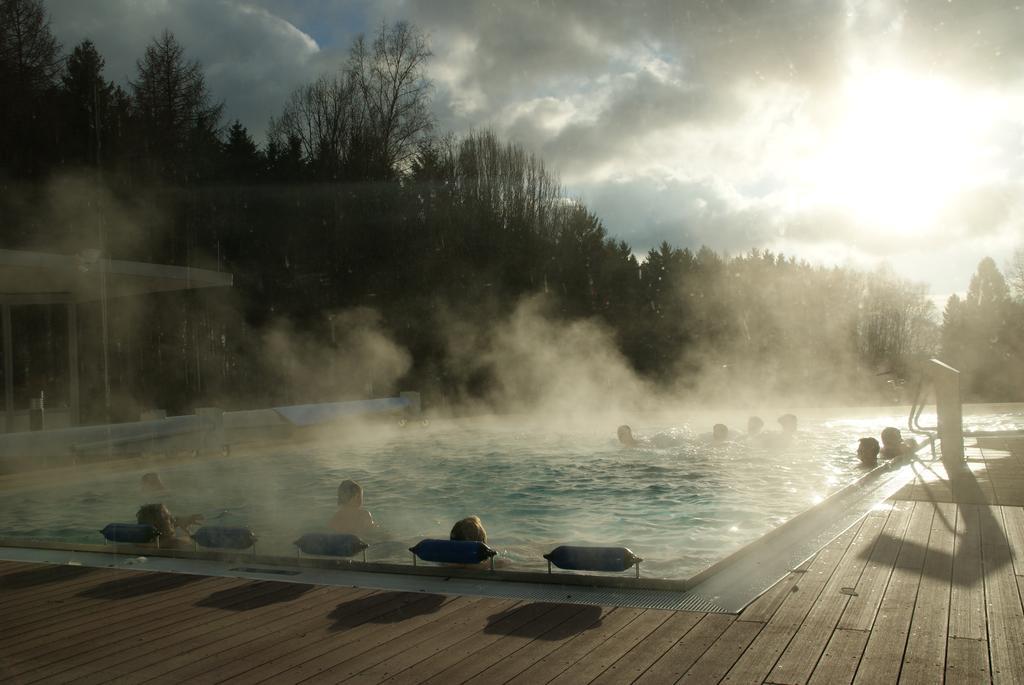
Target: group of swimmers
893, 446
720, 434
350, 516
868, 450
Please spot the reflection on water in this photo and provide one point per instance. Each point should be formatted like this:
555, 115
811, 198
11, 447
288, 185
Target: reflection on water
680, 507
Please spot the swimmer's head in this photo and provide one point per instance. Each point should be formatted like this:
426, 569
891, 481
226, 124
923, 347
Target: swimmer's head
151, 483
158, 516
891, 437
469, 528
867, 451
788, 423
625, 434
350, 494
754, 425
720, 432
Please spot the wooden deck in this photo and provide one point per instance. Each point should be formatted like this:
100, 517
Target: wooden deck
924, 589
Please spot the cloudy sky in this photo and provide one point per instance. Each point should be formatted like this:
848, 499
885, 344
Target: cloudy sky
860, 132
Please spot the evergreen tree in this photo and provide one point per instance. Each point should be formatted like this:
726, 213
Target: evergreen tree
242, 159
29, 64
178, 122
88, 97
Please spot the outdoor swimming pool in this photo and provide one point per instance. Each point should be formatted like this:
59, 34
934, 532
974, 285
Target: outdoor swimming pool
680, 508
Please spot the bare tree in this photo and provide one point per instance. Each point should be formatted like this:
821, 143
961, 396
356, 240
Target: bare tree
394, 92
29, 54
319, 116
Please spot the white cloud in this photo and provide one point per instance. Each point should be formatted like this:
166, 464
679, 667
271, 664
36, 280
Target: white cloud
252, 59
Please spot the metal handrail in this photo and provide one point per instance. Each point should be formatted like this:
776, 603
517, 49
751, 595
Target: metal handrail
914, 418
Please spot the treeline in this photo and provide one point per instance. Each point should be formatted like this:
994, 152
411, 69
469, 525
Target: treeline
356, 203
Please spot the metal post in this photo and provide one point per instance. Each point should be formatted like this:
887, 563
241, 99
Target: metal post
949, 409
5, 314
73, 400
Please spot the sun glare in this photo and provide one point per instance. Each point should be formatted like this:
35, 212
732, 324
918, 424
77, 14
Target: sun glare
901, 149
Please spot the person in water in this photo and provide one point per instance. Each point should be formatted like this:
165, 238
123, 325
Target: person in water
167, 525
719, 433
472, 528
893, 444
351, 517
867, 452
627, 438
788, 423
469, 528
625, 434
151, 483
755, 424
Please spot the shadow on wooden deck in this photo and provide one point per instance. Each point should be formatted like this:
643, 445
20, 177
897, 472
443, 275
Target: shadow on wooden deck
42, 576
254, 596
384, 607
137, 586
962, 487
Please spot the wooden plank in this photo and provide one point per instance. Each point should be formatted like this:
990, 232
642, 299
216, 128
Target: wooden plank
762, 608
838, 664
341, 662
8, 565
1004, 611
568, 654
517, 662
887, 643
476, 662
353, 621
990, 523
409, 659
925, 659
93, 623
723, 654
598, 661
397, 655
498, 626
13, 568
194, 661
28, 587
1013, 520
80, 614
685, 653
861, 609
80, 597
760, 657
799, 658
197, 645
637, 660
386, 649
146, 630
115, 595
967, 594
967, 662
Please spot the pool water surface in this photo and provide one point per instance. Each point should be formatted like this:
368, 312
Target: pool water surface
680, 507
